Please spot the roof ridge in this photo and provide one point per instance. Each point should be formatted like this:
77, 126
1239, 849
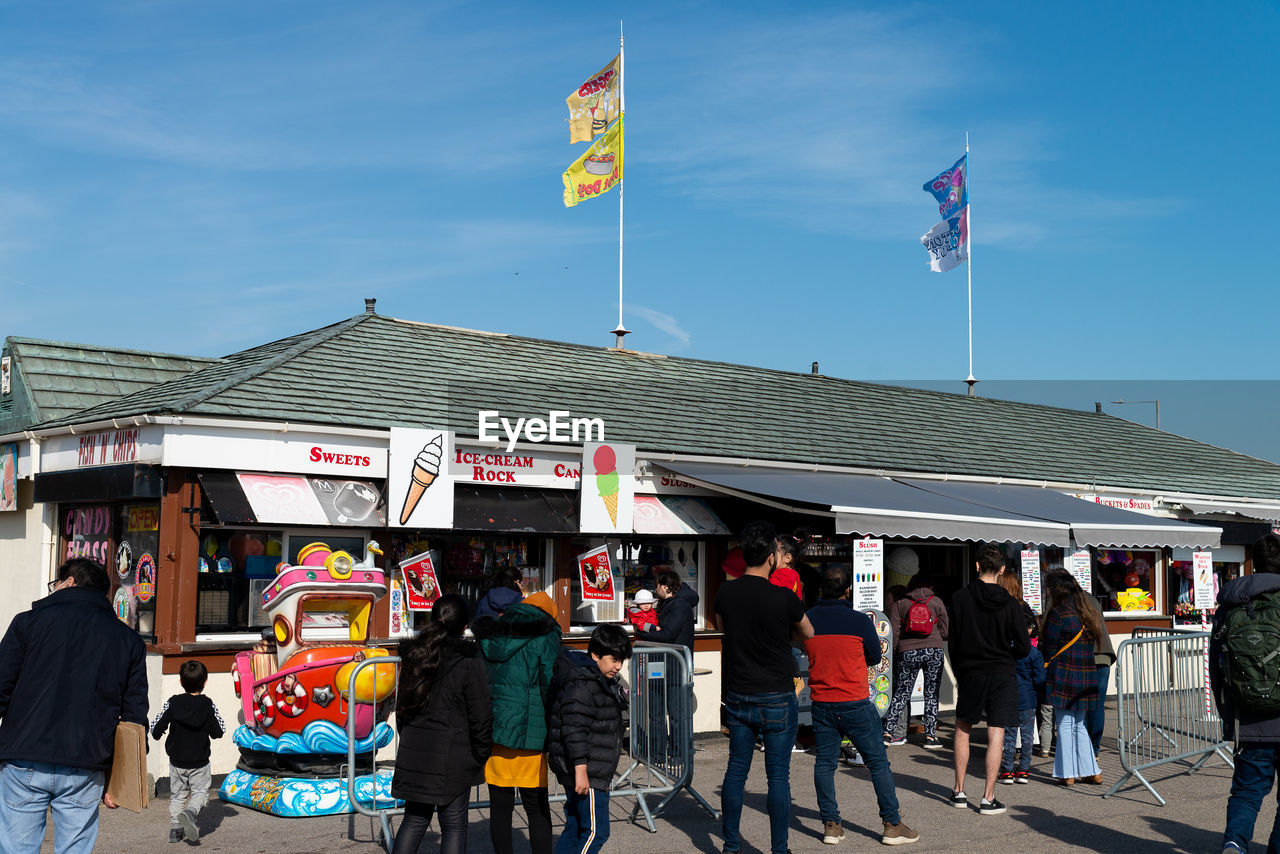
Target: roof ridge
18, 339
307, 340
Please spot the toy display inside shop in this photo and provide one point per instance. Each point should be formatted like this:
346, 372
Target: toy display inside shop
235, 568
466, 563
1123, 579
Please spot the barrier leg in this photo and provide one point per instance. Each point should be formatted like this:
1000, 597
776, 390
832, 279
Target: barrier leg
1141, 779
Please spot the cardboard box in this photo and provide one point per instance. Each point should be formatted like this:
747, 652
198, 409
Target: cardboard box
127, 780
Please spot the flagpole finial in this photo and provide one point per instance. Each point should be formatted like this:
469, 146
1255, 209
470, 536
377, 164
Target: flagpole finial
971, 382
622, 332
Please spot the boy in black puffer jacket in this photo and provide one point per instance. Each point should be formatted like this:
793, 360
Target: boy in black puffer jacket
584, 733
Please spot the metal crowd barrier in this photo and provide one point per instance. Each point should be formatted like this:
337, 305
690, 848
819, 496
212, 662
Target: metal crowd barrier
660, 677
386, 838
1166, 713
661, 747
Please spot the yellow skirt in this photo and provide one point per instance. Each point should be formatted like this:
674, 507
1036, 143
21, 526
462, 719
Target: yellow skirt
516, 769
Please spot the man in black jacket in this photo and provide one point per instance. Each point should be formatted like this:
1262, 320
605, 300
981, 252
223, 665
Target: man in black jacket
1257, 734
584, 734
69, 672
988, 635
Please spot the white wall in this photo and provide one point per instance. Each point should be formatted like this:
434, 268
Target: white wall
24, 555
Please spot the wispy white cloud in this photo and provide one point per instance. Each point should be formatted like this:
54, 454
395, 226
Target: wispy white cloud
662, 321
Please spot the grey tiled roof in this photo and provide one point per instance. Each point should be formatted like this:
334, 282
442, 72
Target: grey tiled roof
374, 371
60, 379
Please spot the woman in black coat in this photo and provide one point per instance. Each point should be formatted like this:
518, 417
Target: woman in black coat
445, 722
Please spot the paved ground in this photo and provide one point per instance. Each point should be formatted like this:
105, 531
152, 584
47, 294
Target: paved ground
1042, 817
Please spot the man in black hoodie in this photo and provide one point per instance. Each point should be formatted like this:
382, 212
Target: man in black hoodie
1257, 734
69, 672
987, 637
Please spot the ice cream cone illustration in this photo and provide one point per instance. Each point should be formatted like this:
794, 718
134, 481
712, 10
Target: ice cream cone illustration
606, 462
426, 467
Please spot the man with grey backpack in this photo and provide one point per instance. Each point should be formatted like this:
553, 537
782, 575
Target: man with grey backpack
1244, 671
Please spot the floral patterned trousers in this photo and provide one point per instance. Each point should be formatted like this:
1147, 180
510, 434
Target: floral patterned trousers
907, 665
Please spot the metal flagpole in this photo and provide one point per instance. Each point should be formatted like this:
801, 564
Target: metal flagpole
969, 217
621, 331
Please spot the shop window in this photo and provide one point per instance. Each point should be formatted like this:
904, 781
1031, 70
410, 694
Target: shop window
465, 564
1124, 580
637, 564
126, 540
1228, 564
235, 567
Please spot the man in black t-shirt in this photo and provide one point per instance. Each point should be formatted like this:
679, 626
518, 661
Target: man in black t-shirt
759, 621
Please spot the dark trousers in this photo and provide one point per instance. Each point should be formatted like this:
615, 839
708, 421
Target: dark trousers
586, 821
1251, 782
453, 825
1095, 720
537, 809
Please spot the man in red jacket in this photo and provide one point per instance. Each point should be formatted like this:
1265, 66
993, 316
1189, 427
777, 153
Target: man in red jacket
844, 645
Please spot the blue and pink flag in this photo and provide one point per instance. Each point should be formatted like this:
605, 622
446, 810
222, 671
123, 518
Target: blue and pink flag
951, 189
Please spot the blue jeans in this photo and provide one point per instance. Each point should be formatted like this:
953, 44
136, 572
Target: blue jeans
859, 721
1096, 719
1255, 771
1026, 728
773, 717
586, 822
28, 789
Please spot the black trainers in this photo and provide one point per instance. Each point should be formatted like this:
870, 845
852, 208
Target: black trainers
991, 807
959, 800
190, 831
175, 834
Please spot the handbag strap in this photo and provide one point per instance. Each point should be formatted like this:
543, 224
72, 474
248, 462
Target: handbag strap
1064, 649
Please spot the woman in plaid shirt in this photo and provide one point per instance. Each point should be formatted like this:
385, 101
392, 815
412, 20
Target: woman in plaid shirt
1067, 639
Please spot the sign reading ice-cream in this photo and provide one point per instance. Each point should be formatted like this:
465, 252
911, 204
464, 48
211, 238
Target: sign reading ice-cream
608, 487
419, 485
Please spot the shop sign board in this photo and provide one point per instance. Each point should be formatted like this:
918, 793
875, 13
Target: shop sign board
1031, 578
608, 488
596, 574
419, 479
1202, 580
868, 574
516, 468
421, 584
102, 448
1122, 502
662, 482
1080, 564
301, 452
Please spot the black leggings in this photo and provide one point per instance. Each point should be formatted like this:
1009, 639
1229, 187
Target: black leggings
537, 808
453, 825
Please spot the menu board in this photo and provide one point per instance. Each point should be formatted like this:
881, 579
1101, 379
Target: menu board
1080, 564
1202, 580
868, 574
879, 678
1031, 578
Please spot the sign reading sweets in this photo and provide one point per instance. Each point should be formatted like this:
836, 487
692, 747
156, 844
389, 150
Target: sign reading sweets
608, 488
422, 585
1202, 580
868, 575
596, 573
1080, 564
1031, 578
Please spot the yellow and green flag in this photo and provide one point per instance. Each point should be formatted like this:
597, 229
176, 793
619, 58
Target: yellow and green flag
597, 170
596, 103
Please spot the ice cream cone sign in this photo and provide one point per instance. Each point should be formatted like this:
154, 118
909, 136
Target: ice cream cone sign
608, 487
420, 491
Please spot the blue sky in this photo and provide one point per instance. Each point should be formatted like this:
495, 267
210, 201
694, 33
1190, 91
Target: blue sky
201, 178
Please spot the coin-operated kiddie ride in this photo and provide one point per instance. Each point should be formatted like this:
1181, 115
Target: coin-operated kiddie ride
294, 687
